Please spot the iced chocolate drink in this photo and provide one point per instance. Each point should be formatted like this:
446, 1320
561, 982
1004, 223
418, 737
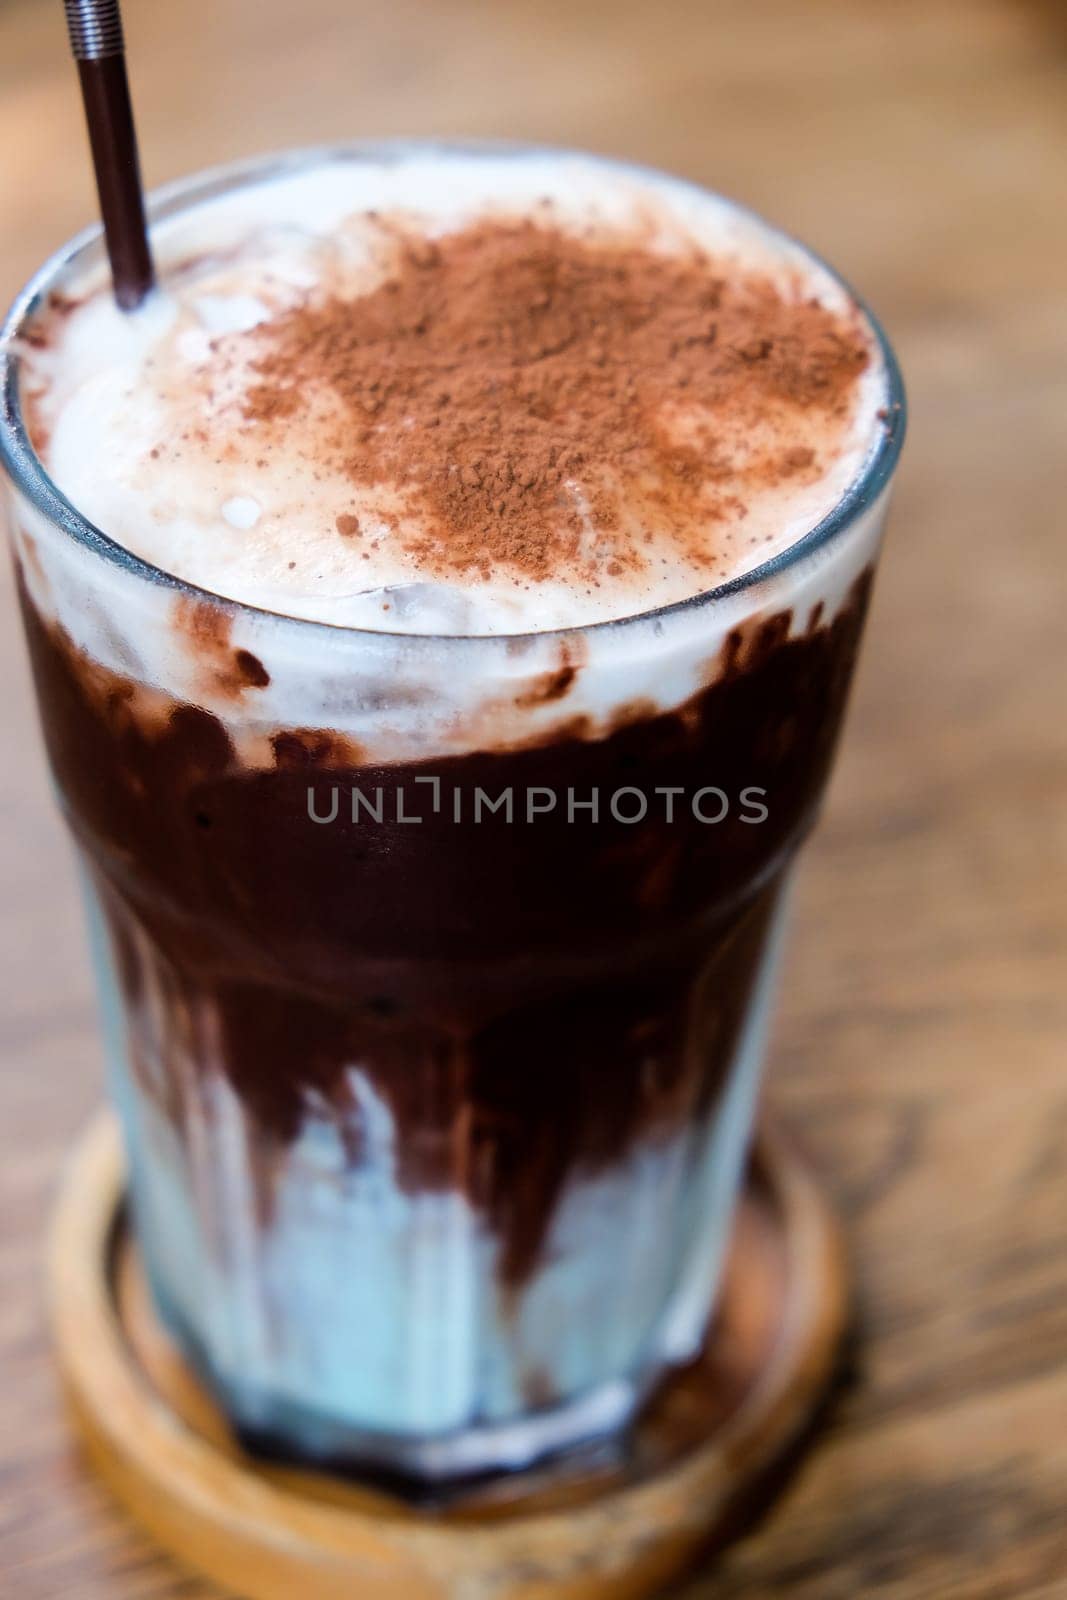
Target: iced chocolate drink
443, 596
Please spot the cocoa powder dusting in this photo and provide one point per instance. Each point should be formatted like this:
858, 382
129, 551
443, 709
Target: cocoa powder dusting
516, 387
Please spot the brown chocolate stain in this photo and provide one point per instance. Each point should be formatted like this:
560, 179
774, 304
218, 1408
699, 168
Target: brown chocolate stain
221, 670
251, 669
206, 623
556, 682
315, 750
549, 686
639, 709
747, 642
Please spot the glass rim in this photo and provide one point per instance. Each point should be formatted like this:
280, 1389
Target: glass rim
27, 472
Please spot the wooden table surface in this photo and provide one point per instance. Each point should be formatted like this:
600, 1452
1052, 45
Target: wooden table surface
921, 1048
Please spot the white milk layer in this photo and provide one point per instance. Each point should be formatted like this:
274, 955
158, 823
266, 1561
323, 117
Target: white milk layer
121, 402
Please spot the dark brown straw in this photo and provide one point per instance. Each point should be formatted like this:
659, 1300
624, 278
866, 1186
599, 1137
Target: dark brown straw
96, 39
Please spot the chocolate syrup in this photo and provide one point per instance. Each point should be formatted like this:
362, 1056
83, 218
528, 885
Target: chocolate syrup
529, 998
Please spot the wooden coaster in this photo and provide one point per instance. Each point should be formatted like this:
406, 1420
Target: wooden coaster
602, 1524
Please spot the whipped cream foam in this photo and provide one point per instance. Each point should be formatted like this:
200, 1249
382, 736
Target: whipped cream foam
143, 421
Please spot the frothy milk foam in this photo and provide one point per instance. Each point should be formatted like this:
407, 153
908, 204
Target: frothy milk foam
139, 419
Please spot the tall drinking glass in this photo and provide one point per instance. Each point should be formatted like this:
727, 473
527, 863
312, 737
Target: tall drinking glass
434, 971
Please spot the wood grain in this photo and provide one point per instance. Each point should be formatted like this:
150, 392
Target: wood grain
920, 1051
